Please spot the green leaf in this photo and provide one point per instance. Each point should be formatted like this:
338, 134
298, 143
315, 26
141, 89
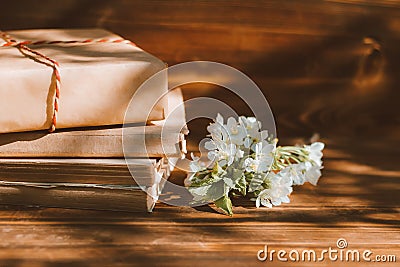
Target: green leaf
229, 182
237, 174
206, 180
255, 181
242, 185
216, 191
217, 171
225, 204
200, 175
200, 191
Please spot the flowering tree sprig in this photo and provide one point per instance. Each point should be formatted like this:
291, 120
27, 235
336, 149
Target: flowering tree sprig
244, 159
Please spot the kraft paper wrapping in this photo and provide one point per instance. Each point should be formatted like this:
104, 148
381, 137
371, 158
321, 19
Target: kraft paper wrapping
97, 82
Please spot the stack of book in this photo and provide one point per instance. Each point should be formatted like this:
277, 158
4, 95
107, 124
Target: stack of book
88, 169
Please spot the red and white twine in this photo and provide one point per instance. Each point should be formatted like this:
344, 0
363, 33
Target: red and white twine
23, 47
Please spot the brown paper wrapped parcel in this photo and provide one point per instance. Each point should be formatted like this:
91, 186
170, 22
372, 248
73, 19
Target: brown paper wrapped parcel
97, 81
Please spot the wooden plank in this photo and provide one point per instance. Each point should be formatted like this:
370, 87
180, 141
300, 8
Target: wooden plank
131, 198
177, 241
169, 256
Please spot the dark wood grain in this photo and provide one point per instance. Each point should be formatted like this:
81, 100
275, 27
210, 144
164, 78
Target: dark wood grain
327, 67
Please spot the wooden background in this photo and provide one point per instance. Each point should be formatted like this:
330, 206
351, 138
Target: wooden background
326, 67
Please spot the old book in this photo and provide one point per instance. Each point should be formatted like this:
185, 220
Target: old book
158, 139
102, 184
100, 143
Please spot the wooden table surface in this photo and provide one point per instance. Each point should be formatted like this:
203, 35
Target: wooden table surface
326, 67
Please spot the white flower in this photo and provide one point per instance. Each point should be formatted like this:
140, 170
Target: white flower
280, 187
264, 153
221, 152
297, 173
251, 125
196, 165
239, 154
251, 165
312, 168
315, 152
247, 142
217, 129
236, 131
312, 173
253, 130
263, 158
210, 145
305, 172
